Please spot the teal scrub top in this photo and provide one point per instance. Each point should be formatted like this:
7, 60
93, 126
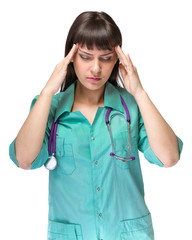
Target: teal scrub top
92, 195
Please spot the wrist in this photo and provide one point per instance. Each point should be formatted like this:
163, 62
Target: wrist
47, 92
141, 97
139, 94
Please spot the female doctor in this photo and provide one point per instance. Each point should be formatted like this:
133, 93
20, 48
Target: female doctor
96, 187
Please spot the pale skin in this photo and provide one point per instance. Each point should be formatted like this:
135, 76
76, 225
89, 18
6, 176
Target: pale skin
88, 96
29, 140
161, 137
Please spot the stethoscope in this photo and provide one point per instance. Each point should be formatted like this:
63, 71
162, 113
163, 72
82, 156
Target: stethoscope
51, 162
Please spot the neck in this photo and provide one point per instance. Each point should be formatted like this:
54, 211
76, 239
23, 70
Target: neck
89, 97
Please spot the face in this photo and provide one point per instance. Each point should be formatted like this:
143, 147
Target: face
94, 67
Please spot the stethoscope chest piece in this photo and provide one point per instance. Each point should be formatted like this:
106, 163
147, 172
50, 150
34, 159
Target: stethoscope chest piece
51, 163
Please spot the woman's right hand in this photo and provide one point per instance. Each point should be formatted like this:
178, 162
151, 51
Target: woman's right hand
58, 76
29, 140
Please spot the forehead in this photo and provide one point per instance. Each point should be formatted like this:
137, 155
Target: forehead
94, 50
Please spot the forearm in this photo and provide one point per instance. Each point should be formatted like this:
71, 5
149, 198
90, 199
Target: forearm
161, 137
30, 138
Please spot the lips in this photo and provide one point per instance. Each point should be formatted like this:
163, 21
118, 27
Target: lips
94, 79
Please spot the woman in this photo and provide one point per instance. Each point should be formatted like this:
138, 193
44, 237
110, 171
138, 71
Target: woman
96, 190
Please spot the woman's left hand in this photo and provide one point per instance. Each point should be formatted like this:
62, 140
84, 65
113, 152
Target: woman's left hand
129, 73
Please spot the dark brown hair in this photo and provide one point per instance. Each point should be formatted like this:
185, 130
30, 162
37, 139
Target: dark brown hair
92, 29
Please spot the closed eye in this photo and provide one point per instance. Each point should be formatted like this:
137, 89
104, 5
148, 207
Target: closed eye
85, 57
106, 59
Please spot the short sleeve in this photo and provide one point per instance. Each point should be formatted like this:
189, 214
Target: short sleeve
43, 155
144, 147
12, 153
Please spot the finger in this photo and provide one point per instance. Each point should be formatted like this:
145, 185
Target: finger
135, 69
120, 54
66, 60
125, 60
71, 53
123, 71
130, 61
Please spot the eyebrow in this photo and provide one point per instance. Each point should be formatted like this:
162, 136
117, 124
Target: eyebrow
92, 54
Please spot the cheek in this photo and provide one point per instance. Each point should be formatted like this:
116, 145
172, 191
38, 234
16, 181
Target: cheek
109, 68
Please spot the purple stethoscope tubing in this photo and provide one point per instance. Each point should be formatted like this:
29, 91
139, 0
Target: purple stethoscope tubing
52, 138
112, 154
51, 162
126, 110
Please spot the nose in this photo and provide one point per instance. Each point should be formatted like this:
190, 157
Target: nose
96, 67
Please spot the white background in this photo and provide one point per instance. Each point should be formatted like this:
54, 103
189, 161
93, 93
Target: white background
157, 35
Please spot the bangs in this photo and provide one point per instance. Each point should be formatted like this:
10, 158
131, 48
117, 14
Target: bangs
99, 34
92, 29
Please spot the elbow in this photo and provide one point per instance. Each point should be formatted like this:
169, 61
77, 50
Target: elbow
23, 162
23, 156
24, 165
171, 160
